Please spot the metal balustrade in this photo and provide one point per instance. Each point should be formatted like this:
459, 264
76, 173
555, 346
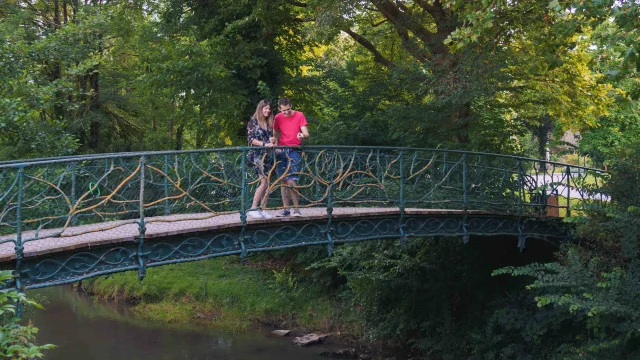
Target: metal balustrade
64, 219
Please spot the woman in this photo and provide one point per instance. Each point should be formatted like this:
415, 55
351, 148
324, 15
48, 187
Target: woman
260, 133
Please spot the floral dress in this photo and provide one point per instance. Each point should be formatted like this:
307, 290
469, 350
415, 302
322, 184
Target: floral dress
259, 159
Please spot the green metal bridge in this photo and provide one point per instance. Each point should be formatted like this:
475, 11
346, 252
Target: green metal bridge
70, 218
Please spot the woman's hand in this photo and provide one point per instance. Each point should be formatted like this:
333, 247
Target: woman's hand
272, 140
269, 145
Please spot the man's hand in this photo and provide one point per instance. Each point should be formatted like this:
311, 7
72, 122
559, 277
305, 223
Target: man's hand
300, 136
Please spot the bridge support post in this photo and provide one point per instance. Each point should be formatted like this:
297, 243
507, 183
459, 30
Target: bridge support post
243, 206
521, 238
165, 168
19, 246
330, 244
401, 205
465, 201
378, 174
74, 219
142, 227
568, 171
328, 228
444, 164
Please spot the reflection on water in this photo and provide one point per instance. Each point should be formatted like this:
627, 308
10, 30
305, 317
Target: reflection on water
86, 329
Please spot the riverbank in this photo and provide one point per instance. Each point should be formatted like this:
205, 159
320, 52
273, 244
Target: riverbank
223, 293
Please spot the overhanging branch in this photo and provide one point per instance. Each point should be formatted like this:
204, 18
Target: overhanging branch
404, 21
377, 56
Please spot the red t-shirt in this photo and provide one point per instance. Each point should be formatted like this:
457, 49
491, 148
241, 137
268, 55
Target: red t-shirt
289, 127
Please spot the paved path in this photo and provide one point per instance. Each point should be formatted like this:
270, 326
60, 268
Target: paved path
557, 183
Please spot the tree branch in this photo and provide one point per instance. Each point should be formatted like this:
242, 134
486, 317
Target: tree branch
405, 21
377, 56
434, 10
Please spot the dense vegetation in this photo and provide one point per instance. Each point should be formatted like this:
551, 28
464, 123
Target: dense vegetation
17, 340
111, 75
499, 76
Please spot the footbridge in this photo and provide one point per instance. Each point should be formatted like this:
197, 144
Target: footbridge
70, 218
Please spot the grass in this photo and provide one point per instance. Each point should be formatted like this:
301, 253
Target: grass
227, 295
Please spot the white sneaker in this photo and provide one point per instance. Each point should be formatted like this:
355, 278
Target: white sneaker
254, 214
265, 214
296, 213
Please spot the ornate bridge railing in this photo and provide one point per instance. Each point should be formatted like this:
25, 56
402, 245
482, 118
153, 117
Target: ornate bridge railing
75, 213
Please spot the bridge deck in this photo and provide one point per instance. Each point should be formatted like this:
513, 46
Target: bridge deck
86, 236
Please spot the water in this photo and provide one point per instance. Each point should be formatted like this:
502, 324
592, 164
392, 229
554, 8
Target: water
84, 328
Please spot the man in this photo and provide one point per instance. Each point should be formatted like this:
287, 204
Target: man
290, 128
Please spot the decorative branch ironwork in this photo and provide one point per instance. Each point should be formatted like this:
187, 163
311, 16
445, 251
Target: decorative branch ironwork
82, 215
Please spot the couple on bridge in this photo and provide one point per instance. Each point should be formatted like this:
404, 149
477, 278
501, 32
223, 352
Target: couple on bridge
287, 128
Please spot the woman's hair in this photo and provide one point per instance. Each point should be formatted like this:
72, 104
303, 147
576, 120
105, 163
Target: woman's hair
262, 121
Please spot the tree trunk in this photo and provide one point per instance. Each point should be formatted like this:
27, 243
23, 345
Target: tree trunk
179, 136
64, 11
542, 133
94, 82
94, 134
56, 14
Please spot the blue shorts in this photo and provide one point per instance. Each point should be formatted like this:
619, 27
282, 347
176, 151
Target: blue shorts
289, 161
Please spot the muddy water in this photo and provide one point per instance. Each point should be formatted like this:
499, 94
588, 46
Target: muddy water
84, 328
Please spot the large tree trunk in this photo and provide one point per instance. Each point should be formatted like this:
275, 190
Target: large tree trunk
64, 11
56, 14
542, 133
56, 67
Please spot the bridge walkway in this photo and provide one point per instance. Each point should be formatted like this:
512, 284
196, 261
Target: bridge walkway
50, 241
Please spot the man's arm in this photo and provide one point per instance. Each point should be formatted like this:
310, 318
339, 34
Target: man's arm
305, 133
276, 134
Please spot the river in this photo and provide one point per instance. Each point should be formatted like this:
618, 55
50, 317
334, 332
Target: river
84, 328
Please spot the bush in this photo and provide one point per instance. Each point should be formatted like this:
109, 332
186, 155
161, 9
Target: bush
16, 340
593, 291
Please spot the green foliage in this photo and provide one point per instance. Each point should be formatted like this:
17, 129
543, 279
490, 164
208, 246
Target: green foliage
593, 292
225, 293
625, 170
123, 77
600, 309
17, 340
286, 284
175, 75
485, 75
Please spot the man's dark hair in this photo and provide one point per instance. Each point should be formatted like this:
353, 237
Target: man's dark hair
284, 102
